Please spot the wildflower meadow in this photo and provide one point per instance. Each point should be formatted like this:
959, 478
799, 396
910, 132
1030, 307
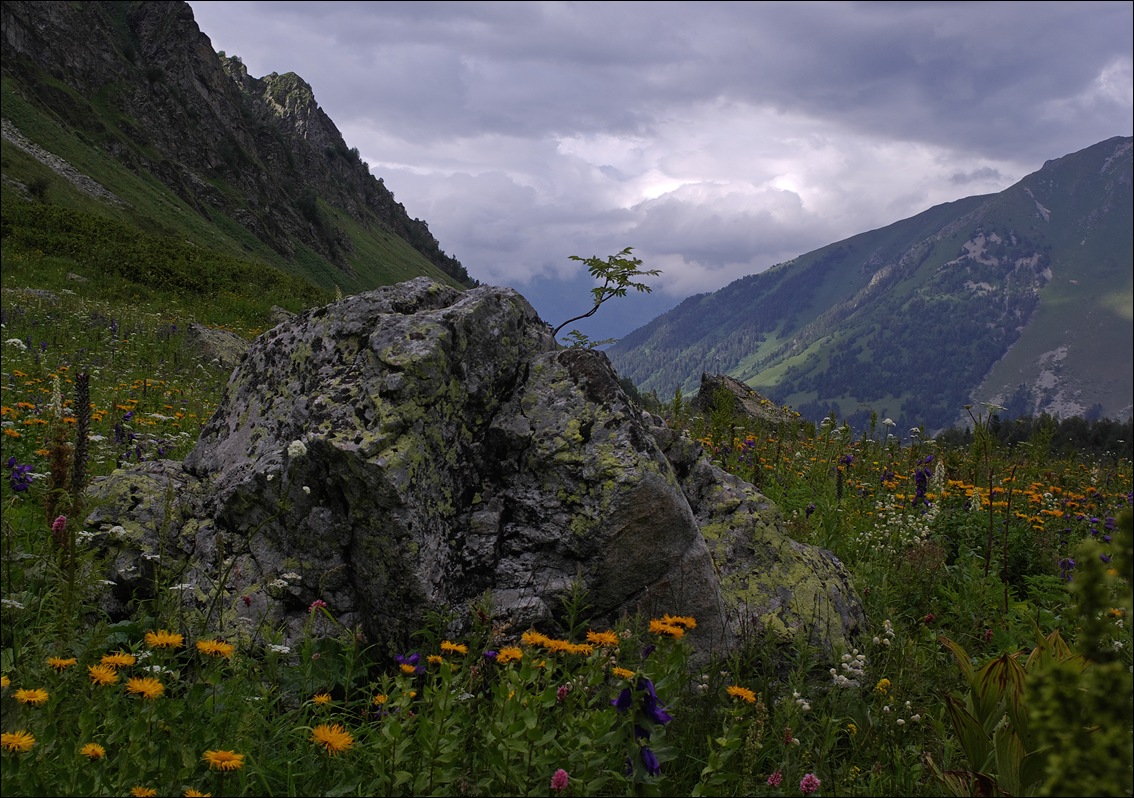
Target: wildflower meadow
995, 577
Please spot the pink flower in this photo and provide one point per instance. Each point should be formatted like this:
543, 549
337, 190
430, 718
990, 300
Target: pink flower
559, 780
59, 524
776, 779
317, 604
809, 784
561, 693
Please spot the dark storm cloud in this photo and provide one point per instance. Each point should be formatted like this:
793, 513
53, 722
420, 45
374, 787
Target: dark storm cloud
716, 138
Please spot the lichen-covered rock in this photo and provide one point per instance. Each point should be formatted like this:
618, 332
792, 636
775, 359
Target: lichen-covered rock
419, 448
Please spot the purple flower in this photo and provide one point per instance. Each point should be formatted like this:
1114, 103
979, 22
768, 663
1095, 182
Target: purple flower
20, 476
559, 780
650, 760
776, 779
651, 707
624, 701
490, 654
809, 784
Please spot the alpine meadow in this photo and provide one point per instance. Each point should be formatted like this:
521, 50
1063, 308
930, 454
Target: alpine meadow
293, 505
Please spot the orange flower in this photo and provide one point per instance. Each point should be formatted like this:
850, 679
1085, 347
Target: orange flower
102, 674
216, 648
163, 639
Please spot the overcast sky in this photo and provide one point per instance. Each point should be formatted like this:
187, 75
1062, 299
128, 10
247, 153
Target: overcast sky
717, 139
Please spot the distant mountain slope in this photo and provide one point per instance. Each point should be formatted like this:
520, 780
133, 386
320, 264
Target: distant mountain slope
1023, 299
123, 108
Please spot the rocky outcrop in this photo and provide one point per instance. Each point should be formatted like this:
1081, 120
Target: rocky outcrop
419, 448
740, 398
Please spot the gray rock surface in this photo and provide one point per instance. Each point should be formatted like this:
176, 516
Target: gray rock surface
417, 448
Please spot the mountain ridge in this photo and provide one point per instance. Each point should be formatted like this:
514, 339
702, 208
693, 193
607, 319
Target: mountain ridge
984, 280
133, 92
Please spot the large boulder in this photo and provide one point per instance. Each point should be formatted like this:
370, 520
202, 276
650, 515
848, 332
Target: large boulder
421, 448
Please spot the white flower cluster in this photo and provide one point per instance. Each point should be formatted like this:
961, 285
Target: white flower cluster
16, 342
296, 449
803, 704
897, 527
900, 721
852, 667
887, 634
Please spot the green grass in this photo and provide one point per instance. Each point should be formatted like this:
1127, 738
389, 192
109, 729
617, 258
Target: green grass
953, 580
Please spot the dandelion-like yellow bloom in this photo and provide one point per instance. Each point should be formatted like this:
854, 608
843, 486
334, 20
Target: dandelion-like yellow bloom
883, 687
660, 627
408, 669
119, 659
145, 686
434, 659
61, 663
224, 761
380, 699
102, 674
685, 621
609, 639
34, 696
509, 654
17, 742
533, 638
143, 792
333, 739
216, 648
93, 751
454, 648
191, 793
623, 673
557, 646
163, 639
5, 682
852, 728
321, 699
743, 693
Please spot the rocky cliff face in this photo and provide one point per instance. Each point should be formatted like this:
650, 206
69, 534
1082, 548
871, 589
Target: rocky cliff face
258, 150
418, 448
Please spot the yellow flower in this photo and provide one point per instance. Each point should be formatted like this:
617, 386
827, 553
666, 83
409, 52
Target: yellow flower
224, 760
743, 693
509, 654
883, 687
34, 696
852, 728
680, 620
191, 793
5, 682
216, 648
102, 674
434, 659
532, 638
408, 669
624, 673
93, 751
660, 627
163, 639
145, 686
18, 742
143, 792
333, 738
609, 639
118, 660
321, 699
454, 648
59, 663
380, 699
